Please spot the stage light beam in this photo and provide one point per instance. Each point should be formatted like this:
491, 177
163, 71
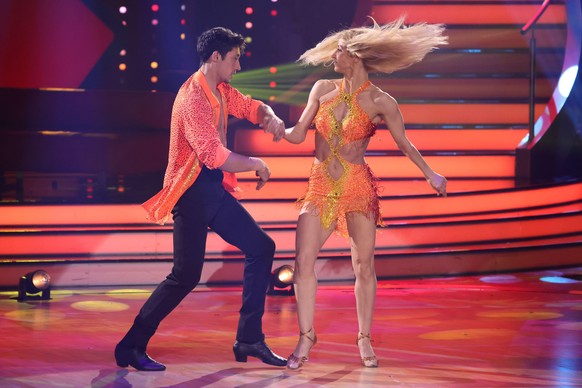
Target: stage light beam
288, 83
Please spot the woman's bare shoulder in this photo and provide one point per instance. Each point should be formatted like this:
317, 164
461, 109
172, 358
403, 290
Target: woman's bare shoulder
324, 86
377, 100
380, 96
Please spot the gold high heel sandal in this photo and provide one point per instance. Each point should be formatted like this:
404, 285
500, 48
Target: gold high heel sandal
370, 361
294, 362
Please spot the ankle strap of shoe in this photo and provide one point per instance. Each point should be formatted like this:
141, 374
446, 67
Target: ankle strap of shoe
362, 336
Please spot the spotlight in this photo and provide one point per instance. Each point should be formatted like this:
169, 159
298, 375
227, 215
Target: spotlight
33, 283
281, 281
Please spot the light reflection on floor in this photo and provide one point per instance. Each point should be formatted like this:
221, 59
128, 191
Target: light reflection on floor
497, 330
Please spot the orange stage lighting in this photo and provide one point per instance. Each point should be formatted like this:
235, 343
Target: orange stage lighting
473, 14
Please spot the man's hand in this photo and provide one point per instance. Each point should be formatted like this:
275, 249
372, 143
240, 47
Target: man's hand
274, 125
264, 176
263, 173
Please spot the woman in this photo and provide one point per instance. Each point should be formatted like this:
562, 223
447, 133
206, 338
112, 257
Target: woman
342, 193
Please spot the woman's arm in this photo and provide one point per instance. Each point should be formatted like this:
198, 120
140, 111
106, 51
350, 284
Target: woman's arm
297, 133
392, 116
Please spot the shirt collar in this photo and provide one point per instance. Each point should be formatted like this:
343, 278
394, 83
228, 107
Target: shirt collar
201, 79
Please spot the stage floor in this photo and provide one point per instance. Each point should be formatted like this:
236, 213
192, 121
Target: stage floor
511, 330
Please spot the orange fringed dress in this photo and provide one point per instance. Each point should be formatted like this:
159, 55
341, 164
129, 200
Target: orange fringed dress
356, 189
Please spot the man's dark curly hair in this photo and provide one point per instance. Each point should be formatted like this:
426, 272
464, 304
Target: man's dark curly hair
218, 39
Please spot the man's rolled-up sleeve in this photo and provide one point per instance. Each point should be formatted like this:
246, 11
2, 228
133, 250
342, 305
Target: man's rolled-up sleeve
241, 106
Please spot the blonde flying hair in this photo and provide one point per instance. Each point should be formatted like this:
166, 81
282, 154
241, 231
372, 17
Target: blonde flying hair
382, 49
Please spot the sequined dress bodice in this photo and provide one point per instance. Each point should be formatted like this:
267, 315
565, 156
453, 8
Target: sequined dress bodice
354, 126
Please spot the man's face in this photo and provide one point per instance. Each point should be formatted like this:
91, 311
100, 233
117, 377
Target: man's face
228, 66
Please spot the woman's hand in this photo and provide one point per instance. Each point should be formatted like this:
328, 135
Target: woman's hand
439, 183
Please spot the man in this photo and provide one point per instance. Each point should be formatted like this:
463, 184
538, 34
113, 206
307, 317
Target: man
198, 179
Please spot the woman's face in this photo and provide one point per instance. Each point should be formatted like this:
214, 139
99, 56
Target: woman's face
342, 59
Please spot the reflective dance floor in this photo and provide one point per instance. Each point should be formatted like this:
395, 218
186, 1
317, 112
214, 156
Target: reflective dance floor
505, 330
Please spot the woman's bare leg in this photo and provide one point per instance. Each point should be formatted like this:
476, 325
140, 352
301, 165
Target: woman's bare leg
309, 239
362, 231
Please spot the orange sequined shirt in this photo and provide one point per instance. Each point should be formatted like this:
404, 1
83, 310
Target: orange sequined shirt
194, 140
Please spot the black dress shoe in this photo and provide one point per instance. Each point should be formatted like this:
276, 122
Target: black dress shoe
259, 350
137, 358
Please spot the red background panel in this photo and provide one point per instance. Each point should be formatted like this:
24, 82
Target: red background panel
49, 44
